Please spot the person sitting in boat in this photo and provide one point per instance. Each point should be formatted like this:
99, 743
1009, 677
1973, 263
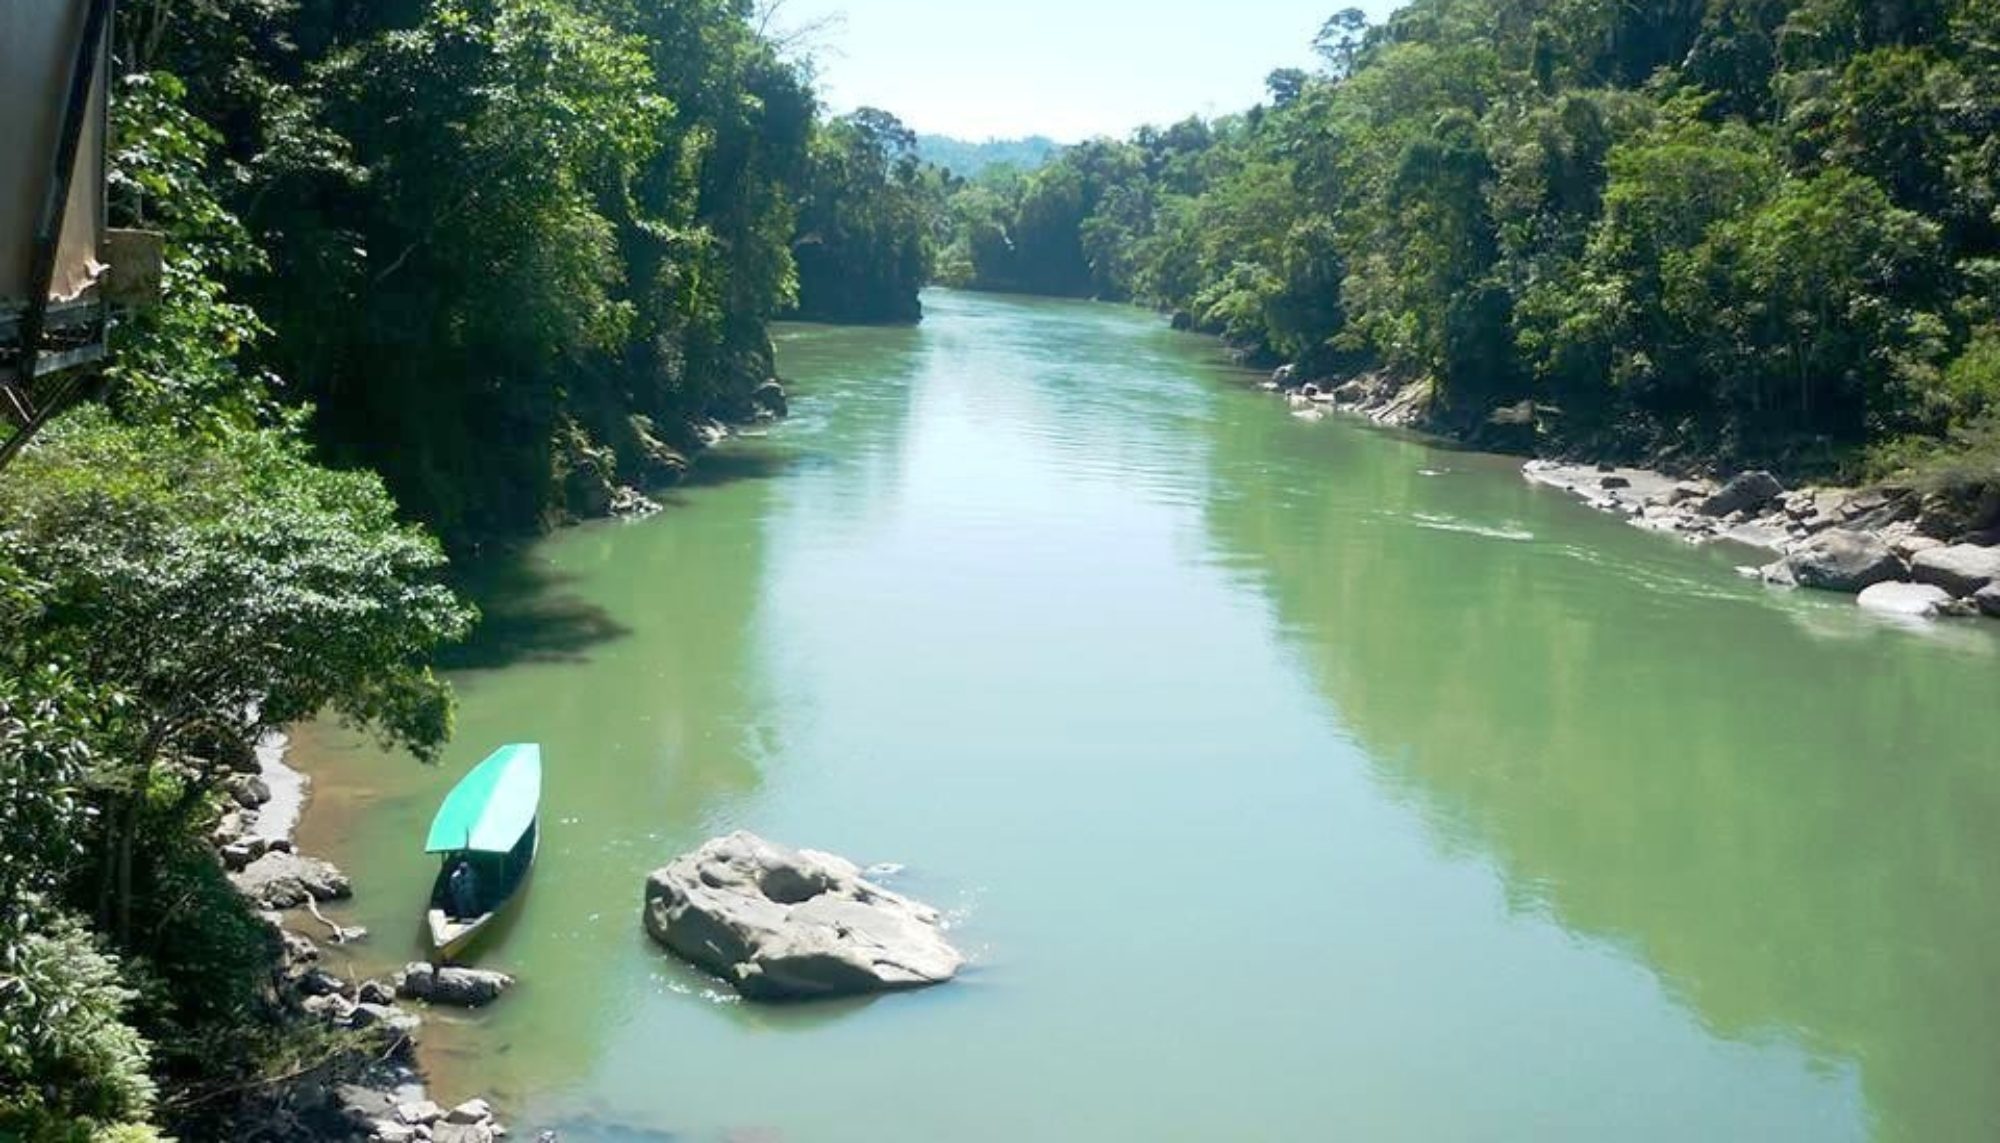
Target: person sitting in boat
462, 889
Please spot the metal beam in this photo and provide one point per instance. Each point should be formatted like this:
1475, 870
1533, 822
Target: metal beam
48, 234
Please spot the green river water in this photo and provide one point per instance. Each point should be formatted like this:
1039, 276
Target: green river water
1284, 781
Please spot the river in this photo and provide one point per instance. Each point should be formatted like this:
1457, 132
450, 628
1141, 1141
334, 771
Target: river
1285, 781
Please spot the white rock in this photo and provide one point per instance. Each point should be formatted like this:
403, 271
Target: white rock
1911, 600
421, 1113
783, 924
471, 1111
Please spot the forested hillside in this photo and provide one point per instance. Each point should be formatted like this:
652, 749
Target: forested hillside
508, 248
506, 254
967, 159
1739, 230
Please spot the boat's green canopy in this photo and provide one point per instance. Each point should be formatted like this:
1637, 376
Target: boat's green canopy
490, 808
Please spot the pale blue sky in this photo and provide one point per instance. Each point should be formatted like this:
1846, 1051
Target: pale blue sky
1064, 68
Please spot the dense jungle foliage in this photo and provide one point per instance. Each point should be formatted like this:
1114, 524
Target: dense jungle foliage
435, 268
869, 222
1728, 230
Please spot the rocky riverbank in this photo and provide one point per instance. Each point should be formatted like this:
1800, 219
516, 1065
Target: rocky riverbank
370, 1087
1900, 551
592, 489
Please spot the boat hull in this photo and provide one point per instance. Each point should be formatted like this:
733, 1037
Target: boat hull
451, 941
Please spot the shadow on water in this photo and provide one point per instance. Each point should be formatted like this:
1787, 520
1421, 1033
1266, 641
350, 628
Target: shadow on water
1787, 829
739, 462
529, 613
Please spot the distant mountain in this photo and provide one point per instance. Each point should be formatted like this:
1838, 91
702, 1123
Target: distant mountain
967, 159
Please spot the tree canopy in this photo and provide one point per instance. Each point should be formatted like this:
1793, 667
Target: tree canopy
1748, 230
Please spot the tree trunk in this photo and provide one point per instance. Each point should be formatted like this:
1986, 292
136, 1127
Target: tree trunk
125, 842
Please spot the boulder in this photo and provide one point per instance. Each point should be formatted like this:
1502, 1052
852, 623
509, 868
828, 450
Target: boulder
421, 1113
452, 987
320, 982
769, 399
1182, 321
1746, 493
1840, 560
784, 924
298, 950
1351, 393
393, 1029
280, 880
1891, 507
1913, 600
1988, 599
374, 992
1961, 569
249, 791
630, 503
1907, 546
1777, 574
1685, 491
239, 854
461, 1133
471, 1111
659, 462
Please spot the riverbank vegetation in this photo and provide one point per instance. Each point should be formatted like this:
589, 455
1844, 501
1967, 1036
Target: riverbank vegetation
437, 273
868, 226
1747, 231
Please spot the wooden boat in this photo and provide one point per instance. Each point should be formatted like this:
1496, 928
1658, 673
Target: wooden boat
487, 834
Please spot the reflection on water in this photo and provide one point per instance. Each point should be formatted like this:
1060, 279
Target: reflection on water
1285, 780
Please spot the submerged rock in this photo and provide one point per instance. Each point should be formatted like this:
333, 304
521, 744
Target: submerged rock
1913, 600
784, 924
452, 987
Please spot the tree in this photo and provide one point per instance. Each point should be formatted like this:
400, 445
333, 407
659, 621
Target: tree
213, 593
1339, 41
868, 223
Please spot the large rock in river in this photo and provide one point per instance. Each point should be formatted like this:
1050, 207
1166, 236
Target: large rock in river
1988, 599
1914, 600
1961, 569
452, 986
784, 924
1840, 560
